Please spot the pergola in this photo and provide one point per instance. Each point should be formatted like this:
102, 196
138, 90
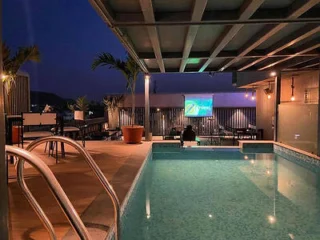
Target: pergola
216, 36
230, 35
201, 35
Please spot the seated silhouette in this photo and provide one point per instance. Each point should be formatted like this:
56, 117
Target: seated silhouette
188, 134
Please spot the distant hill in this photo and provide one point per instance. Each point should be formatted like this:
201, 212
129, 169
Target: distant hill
43, 98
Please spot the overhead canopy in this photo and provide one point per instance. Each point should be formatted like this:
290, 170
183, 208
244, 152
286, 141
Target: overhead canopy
211, 35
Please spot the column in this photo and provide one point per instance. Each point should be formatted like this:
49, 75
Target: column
3, 163
318, 146
277, 96
146, 107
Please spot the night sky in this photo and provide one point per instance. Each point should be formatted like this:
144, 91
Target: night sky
70, 34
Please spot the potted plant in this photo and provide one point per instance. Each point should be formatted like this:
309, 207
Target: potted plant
130, 69
111, 103
80, 108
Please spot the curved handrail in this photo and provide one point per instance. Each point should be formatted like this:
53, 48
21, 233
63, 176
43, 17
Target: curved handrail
55, 187
94, 167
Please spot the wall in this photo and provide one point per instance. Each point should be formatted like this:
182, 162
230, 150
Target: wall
162, 120
298, 120
20, 95
265, 112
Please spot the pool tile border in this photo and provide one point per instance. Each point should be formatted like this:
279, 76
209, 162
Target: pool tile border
125, 202
295, 155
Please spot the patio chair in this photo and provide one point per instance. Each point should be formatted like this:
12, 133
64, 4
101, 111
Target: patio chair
38, 125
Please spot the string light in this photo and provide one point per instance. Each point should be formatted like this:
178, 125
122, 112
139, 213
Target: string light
253, 97
246, 95
273, 74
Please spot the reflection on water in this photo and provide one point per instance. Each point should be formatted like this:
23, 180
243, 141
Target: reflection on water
236, 196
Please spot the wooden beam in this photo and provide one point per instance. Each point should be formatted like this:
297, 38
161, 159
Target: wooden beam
226, 54
147, 10
297, 36
107, 15
198, 9
246, 11
303, 49
298, 8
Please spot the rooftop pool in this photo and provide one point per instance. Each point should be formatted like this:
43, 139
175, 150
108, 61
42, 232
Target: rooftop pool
223, 194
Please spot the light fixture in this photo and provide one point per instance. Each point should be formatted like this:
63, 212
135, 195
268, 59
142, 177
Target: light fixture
147, 77
268, 91
252, 161
292, 89
272, 219
3, 76
210, 215
253, 97
158, 109
246, 95
273, 74
245, 157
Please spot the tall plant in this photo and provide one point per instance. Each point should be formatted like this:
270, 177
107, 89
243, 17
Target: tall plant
11, 65
112, 102
128, 67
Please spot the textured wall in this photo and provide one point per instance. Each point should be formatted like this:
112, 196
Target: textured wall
163, 120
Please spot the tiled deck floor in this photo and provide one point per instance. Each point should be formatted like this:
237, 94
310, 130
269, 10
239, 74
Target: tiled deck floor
118, 161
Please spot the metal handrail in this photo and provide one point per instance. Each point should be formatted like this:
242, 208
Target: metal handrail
55, 187
94, 167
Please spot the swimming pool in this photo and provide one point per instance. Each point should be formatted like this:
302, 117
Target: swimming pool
222, 194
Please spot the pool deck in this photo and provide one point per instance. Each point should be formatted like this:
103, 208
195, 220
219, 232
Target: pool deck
119, 162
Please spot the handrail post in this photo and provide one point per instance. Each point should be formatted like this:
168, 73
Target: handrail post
94, 167
55, 187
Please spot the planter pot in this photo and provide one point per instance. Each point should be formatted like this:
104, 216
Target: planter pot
132, 134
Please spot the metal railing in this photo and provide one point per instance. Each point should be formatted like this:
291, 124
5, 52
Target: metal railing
55, 187
94, 167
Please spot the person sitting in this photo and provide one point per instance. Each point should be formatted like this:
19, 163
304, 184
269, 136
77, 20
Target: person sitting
173, 132
188, 135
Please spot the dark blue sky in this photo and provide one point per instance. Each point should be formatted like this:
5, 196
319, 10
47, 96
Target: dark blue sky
70, 34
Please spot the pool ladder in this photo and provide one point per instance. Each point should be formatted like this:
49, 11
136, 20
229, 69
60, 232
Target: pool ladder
64, 202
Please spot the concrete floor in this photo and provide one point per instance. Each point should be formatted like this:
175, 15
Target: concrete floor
118, 161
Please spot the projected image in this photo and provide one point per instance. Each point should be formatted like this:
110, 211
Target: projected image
198, 105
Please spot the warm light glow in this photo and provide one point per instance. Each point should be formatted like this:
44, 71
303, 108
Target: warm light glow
147, 77
148, 216
273, 74
269, 96
245, 157
253, 98
210, 215
252, 161
272, 219
292, 98
268, 172
246, 95
158, 109
3, 76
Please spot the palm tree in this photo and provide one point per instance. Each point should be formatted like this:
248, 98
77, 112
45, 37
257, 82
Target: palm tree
12, 64
129, 68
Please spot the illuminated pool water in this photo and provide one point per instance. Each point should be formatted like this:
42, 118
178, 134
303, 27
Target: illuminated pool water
223, 194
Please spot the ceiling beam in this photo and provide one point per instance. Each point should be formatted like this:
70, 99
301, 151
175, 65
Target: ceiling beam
301, 50
198, 9
274, 15
297, 8
311, 62
147, 10
107, 15
226, 54
297, 36
247, 9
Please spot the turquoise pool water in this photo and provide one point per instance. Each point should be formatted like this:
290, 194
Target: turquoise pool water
223, 195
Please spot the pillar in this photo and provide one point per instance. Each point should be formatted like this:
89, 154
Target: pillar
318, 146
147, 107
3, 163
277, 98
